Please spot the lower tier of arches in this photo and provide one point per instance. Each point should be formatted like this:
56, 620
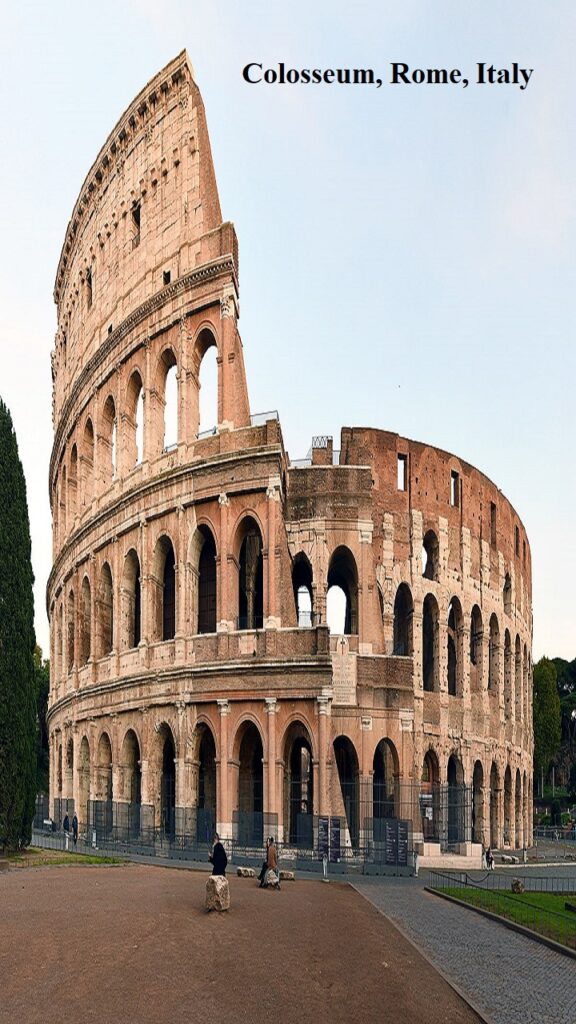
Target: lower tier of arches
271, 766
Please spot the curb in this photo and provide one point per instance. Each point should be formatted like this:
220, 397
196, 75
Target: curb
512, 925
480, 1013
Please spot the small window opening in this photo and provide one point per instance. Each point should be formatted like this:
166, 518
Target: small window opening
493, 524
402, 472
517, 540
136, 226
166, 277
88, 288
454, 488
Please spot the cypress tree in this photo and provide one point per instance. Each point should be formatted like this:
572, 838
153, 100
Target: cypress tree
17, 642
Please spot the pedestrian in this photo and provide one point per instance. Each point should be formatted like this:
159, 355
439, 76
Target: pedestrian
75, 829
218, 857
272, 860
262, 874
66, 823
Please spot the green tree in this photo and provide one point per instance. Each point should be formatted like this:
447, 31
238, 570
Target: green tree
42, 680
17, 683
546, 713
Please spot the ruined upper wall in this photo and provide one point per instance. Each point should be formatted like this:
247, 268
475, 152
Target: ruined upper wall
148, 213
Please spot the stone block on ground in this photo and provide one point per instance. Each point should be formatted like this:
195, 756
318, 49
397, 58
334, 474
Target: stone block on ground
217, 893
246, 873
517, 885
287, 876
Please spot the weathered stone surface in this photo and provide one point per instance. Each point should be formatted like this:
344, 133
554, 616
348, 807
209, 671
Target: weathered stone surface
147, 284
246, 873
217, 893
517, 885
287, 876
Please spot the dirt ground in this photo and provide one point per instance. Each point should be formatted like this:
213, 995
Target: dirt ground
134, 945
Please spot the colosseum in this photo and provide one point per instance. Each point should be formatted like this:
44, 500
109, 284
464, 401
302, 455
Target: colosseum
335, 650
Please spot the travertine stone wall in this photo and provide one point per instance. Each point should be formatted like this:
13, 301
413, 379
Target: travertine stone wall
176, 637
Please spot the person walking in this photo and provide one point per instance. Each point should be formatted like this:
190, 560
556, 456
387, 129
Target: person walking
262, 874
218, 857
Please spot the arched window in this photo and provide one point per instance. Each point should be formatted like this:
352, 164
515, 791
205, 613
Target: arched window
430, 797
63, 500
348, 776
71, 624
298, 786
105, 616
454, 641
73, 484
170, 371
205, 364
168, 783
476, 634
430, 629
109, 440
131, 601
403, 616
494, 655
165, 590
458, 811
302, 588
250, 802
430, 556
208, 391
207, 583
507, 675
250, 579
88, 463
131, 783
134, 440
343, 577
385, 773
85, 622
206, 808
507, 595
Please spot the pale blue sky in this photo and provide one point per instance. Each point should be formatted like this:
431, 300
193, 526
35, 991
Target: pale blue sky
406, 254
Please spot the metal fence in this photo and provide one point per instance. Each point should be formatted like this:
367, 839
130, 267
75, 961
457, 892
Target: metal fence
543, 904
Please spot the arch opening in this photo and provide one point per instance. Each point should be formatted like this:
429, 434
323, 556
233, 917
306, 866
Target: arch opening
348, 777
302, 588
343, 577
403, 621
298, 787
251, 578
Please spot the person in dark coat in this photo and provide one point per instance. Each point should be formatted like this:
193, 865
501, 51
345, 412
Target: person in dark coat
75, 829
218, 857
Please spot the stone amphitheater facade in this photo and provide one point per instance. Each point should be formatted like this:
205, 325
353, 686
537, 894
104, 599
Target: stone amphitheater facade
195, 681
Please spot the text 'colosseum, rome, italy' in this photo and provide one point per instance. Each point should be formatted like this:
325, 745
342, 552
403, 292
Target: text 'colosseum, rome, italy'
196, 684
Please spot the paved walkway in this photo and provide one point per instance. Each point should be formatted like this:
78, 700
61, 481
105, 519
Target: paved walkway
509, 978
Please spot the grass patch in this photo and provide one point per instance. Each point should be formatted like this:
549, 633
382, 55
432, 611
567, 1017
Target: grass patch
542, 912
34, 857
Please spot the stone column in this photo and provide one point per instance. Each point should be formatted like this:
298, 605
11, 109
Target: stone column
323, 713
271, 705
226, 358
271, 616
223, 815
222, 583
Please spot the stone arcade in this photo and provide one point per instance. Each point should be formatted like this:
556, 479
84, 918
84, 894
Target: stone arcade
195, 682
